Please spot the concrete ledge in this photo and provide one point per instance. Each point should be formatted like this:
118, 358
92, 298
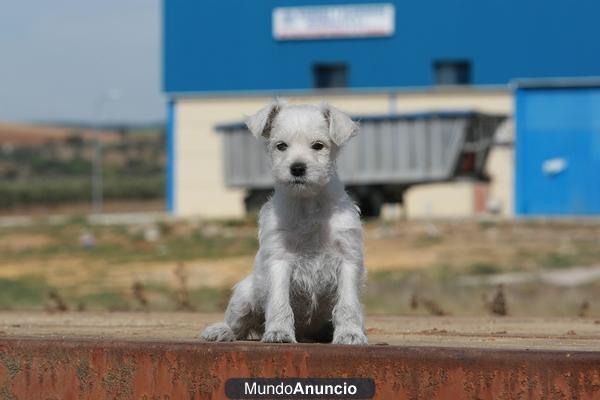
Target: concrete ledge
40, 364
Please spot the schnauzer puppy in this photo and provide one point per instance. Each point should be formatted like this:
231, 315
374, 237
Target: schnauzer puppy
309, 269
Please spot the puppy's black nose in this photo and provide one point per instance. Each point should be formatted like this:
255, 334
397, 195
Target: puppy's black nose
298, 169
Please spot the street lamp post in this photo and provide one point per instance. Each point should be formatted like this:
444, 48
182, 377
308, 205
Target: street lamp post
97, 179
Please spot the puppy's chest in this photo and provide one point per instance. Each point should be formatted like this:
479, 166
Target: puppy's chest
315, 277
316, 259
310, 237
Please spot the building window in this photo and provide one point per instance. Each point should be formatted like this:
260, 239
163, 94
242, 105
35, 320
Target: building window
452, 72
330, 75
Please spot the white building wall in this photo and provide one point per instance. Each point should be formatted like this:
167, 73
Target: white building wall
500, 168
440, 200
199, 184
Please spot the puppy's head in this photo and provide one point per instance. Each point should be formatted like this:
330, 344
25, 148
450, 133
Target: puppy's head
303, 142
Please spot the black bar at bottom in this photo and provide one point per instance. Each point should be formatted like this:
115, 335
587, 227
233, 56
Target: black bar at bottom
296, 388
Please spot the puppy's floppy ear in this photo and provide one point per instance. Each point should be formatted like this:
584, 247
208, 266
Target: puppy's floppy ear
341, 127
261, 123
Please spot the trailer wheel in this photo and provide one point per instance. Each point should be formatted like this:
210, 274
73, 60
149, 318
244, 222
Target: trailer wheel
255, 199
371, 204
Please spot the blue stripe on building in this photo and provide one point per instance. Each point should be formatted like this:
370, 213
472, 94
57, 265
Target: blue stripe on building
171, 156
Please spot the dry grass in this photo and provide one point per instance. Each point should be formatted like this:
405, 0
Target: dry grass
414, 267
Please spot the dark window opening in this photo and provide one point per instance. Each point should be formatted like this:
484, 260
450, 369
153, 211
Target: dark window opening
330, 75
452, 72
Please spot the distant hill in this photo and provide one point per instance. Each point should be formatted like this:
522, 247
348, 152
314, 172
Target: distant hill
43, 165
33, 134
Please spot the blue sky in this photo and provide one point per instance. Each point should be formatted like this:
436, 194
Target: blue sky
58, 57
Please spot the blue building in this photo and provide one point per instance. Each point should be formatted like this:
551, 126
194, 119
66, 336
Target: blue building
223, 59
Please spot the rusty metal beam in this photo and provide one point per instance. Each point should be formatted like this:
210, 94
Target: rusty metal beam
37, 368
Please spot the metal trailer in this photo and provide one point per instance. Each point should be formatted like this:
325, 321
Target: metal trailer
390, 154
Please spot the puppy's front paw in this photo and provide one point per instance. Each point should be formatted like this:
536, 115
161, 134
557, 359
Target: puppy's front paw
355, 337
219, 332
278, 337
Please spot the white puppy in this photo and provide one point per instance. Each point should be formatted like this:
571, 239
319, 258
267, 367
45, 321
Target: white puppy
309, 268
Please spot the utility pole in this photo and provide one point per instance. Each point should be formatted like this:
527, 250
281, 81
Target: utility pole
97, 179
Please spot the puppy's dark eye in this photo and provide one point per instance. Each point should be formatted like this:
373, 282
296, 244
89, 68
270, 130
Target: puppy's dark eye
281, 146
317, 146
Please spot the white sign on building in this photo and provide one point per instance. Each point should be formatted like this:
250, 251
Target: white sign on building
334, 21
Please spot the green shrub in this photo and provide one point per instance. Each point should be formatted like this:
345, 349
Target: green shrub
57, 190
483, 268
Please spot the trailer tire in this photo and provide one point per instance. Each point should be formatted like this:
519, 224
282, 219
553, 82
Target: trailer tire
371, 204
255, 199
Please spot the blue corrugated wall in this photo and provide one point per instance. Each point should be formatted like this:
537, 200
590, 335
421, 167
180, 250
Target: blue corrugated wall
171, 156
557, 151
227, 45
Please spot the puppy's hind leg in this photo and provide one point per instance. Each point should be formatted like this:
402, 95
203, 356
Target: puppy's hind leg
239, 318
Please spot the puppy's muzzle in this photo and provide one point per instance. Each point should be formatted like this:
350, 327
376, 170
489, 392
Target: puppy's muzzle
298, 169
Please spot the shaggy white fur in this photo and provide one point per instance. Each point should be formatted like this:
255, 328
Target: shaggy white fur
309, 269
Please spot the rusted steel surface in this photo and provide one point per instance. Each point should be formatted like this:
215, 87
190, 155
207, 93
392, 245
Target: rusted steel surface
55, 368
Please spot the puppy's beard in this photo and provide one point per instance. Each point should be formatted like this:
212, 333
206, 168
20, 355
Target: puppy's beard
299, 187
297, 182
